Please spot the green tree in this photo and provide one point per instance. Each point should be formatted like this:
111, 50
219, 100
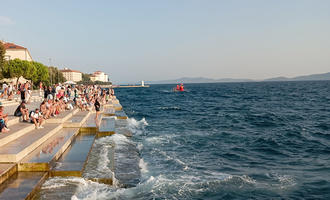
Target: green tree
17, 68
55, 76
42, 74
2, 58
34, 71
86, 77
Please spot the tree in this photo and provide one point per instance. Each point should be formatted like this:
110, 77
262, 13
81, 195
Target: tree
55, 75
17, 68
42, 74
2, 58
34, 71
86, 77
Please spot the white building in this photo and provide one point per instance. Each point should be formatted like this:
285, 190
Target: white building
14, 51
72, 75
99, 76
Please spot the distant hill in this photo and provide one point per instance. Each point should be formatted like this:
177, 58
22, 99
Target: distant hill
197, 80
313, 77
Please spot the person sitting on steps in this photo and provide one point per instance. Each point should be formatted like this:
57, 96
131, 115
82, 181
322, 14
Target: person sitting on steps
36, 118
21, 110
3, 121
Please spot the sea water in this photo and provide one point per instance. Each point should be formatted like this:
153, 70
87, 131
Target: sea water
266, 140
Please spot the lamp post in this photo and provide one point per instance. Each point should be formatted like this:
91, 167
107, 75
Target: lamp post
51, 73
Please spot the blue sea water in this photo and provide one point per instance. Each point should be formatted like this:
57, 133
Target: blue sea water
267, 140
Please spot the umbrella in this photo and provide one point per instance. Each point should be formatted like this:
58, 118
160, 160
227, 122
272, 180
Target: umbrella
70, 83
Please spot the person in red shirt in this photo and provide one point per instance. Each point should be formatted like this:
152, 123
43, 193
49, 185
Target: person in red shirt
181, 87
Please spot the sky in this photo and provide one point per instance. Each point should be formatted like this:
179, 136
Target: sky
133, 40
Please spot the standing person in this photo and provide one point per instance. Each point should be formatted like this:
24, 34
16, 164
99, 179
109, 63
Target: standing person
22, 91
97, 106
4, 89
10, 91
40, 88
68, 91
50, 93
46, 92
57, 89
28, 93
181, 87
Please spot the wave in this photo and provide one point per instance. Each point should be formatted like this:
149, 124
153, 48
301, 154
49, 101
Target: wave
143, 166
169, 108
281, 181
173, 158
184, 186
100, 159
137, 127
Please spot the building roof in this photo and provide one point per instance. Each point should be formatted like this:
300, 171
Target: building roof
98, 72
69, 70
12, 46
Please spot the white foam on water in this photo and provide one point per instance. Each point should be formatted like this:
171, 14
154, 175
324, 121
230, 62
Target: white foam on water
119, 140
137, 127
89, 190
177, 160
143, 166
105, 144
155, 140
94, 191
140, 146
169, 108
85, 189
53, 183
104, 161
284, 181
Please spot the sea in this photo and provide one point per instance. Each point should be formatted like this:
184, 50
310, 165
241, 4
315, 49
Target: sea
256, 140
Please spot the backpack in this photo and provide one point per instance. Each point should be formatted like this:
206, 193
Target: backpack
30, 114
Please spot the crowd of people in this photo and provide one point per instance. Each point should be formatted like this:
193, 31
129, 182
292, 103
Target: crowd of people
22, 89
56, 99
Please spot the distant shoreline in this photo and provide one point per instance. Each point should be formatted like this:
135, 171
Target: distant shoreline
236, 82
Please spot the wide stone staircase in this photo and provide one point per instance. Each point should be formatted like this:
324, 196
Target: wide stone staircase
61, 148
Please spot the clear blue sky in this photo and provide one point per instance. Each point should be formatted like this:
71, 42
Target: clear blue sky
165, 39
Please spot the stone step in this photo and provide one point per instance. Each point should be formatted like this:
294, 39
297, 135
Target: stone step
109, 111
73, 160
77, 120
62, 117
17, 149
120, 114
11, 103
117, 106
89, 126
22, 185
6, 171
42, 158
12, 120
17, 130
122, 127
107, 127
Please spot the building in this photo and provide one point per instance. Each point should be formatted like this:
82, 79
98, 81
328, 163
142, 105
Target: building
99, 76
14, 51
71, 75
